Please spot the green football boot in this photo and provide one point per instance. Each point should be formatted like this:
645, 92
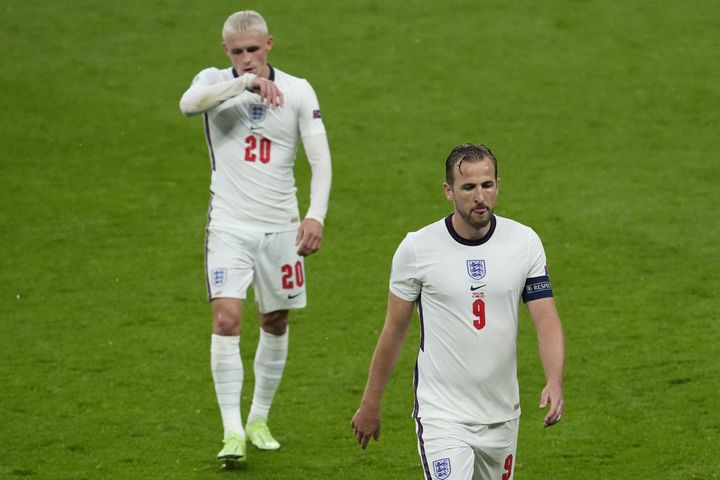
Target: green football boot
259, 435
234, 450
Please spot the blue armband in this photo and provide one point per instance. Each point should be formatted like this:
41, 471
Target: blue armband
537, 288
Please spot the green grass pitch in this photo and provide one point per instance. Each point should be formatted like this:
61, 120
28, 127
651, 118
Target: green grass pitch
604, 117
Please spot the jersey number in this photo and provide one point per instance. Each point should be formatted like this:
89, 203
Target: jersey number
508, 467
287, 278
479, 312
257, 150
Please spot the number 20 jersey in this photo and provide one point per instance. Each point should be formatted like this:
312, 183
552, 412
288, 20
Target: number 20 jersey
468, 294
252, 151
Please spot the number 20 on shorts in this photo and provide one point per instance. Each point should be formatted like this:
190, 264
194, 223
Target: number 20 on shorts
289, 274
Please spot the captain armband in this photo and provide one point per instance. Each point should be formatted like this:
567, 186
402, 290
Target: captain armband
537, 288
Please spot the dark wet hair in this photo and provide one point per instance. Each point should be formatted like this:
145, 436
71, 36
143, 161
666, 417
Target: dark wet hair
470, 152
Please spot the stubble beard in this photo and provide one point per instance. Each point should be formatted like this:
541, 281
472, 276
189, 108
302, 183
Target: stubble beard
474, 222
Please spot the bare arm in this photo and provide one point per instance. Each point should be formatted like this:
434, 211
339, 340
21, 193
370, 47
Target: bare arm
201, 98
552, 354
366, 421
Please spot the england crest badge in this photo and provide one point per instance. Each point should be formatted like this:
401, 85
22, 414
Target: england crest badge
476, 269
441, 468
218, 276
257, 112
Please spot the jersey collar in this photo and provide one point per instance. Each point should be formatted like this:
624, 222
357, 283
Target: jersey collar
464, 241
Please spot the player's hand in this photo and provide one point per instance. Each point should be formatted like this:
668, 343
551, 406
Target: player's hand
268, 91
552, 394
309, 237
366, 424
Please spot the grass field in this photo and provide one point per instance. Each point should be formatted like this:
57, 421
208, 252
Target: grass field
604, 117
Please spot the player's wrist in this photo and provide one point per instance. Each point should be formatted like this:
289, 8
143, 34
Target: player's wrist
247, 80
316, 217
370, 405
320, 220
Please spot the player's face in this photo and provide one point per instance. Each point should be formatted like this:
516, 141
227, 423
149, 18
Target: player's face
248, 52
474, 192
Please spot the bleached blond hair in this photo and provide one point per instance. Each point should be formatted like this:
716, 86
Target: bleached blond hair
243, 22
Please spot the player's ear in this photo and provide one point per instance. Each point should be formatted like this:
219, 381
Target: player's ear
269, 42
448, 191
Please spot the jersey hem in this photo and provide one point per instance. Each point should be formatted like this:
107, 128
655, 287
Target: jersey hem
467, 421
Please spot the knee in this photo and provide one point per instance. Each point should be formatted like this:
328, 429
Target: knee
226, 322
275, 323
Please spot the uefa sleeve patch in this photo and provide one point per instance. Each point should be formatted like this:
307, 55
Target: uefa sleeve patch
316, 114
537, 288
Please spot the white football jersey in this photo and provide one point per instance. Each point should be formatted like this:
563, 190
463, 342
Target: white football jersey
252, 151
468, 294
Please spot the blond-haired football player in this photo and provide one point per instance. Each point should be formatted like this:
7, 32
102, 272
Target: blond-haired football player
254, 117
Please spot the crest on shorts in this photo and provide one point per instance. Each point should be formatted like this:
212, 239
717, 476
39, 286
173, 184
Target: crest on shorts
257, 112
218, 276
441, 468
476, 269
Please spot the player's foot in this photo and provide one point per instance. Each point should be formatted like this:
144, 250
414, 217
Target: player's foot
233, 452
259, 434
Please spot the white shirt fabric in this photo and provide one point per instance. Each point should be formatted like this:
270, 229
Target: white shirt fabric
463, 373
252, 151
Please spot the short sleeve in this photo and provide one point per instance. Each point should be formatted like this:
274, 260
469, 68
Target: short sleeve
537, 283
404, 281
538, 262
309, 116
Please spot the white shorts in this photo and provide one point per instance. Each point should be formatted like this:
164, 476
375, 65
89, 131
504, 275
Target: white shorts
457, 451
235, 259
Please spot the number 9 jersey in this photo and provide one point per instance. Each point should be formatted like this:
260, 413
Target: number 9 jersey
467, 295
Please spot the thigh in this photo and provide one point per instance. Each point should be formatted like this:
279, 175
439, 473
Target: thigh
279, 281
230, 262
444, 453
495, 447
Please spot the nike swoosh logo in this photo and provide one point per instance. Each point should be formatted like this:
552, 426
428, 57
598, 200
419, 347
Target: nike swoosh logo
473, 287
290, 296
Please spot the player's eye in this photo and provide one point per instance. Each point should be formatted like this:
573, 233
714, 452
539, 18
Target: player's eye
236, 51
253, 49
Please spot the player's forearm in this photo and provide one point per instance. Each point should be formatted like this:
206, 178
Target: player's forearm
553, 360
550, 339
387, 351
318, 154
552, 349
381, 367
201, 98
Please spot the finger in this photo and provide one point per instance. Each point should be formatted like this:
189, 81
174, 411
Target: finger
272, 97
553, 416
314, 243
544, 398
364, 441
302, 247
299, 236
277, 97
